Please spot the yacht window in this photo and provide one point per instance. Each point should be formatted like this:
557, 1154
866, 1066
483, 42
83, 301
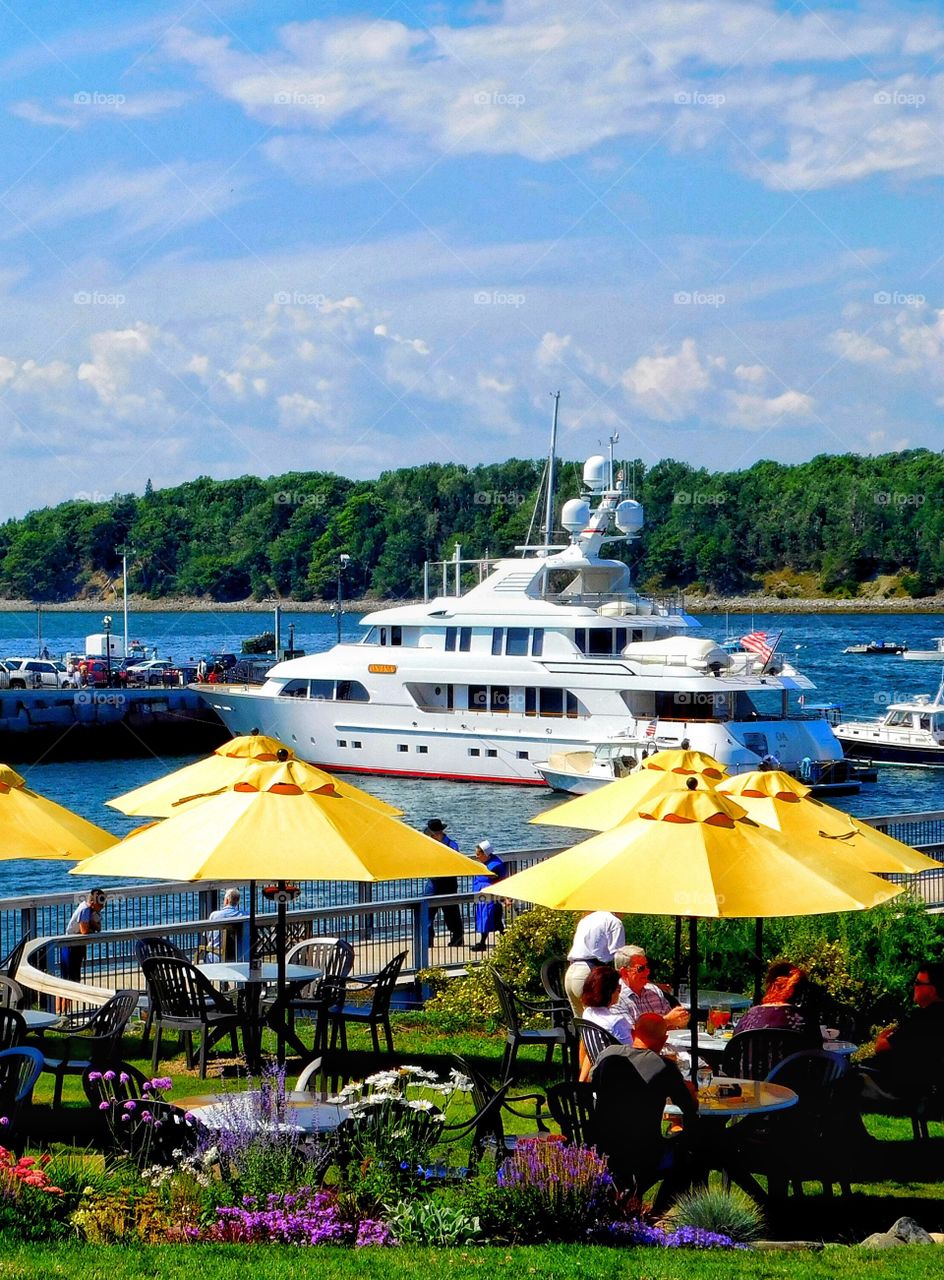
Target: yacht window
465, 639
342, 742
498, 636
530, 702
924, 722
396, 635
351, 691
491, 754
552, 702
294, 689
580, 639
516, 702
478, 697
356, 746
637, 635
322, 690
401, 746
620, 642
601, 642
383, 635
522, 755
423, 751
573, 706
899, 718
517, 646
537, 642
474, 751
499, 698
450, 639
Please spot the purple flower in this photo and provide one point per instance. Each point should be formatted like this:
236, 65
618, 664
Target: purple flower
109, 1075
95, 1075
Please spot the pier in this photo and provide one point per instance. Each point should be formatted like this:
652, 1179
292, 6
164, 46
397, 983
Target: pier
64, 724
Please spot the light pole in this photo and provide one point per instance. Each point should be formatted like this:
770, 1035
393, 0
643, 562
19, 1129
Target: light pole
343, 562
106, 623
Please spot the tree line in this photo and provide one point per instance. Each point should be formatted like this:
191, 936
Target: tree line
844, 518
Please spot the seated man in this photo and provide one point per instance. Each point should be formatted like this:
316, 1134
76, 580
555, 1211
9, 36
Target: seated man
638, 995
229, 943
632, 1084
909, 1057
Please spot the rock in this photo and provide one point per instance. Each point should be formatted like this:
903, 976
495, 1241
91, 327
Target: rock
882, 1240
769, 1246
909, 1232
937, 1237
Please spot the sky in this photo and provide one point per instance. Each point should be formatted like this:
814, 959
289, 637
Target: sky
251, 238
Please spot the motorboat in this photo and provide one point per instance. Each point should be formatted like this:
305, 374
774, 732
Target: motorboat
880, 648
926, 655
511, 660
909, 733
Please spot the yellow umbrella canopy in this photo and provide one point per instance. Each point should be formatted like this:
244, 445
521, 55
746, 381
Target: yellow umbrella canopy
775, 799
33, 827
281, 831
686, 761
225, 767
695, 853
610, 805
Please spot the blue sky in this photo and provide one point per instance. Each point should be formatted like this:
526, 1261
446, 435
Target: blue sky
240, 238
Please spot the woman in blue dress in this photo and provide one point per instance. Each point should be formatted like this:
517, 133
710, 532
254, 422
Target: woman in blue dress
489, 913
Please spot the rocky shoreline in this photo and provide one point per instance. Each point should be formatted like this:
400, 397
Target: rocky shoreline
694, 604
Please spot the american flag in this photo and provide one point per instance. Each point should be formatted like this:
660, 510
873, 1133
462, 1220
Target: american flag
758, 642
651, 728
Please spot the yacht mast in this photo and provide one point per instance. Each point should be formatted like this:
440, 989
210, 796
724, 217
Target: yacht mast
551, 476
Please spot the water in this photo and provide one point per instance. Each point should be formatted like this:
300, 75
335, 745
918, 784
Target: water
862, 685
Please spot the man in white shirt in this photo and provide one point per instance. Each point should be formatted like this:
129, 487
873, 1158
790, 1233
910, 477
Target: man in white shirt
638, 995
227, 945
597, 938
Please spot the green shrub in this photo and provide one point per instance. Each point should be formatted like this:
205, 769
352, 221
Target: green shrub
432, 1221
730, 1213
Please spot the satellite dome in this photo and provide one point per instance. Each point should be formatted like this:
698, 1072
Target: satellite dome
595, 473
630, 516
574, 515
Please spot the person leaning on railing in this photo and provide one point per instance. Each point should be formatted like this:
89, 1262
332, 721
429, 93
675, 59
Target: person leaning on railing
85, 919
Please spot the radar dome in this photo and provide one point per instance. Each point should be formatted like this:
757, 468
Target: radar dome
574, 515
595, 473
630, 516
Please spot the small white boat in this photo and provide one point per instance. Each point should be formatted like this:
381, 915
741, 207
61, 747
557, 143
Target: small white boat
881, 648
910, 734
926, 655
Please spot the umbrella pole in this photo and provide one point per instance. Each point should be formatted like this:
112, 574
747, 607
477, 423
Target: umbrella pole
677, 962
758, 957
693, 987
281, 931
252, 924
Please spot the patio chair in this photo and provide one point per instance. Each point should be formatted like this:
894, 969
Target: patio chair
167, 1133
145, 948
811, 1141
516, 1010
572, 1103
552, 980
752, 1055
13, 1029
318, 997
594, 1038
375, 1014
486, 1125
20, 1068
11, 961
12, 995
87, 1039
183, 1000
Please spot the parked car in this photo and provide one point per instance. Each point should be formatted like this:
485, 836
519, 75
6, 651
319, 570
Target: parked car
153, 671
37, 673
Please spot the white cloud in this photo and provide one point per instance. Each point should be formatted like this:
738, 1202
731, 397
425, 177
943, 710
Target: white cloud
759, 412
670, 387
858, 348
87, 107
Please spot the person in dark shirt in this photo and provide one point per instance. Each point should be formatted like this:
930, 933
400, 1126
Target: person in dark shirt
909, 1057
632, 1084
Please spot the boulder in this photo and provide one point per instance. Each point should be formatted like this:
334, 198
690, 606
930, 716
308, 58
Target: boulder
910, 1232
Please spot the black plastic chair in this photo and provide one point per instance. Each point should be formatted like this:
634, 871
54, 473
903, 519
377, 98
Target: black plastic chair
12, 1029
486, 1125
752, 1055
572, 1104
516, 1010
12, 960
144, 949
12, 995
320, 996
184, 1000
20, 1068
87, 1039
375, 1014
594, 1038
811, 1140
552, 980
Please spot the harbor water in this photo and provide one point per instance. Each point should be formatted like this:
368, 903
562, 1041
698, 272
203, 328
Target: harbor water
863, 686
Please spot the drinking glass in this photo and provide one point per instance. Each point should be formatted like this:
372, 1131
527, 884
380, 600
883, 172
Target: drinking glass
704, 1077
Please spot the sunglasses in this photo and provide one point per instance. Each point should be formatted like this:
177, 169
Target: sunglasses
638, 968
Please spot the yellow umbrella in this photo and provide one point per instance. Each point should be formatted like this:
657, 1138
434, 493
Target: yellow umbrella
775, 799
695, 853
33, 827
226, 766
610, 805
685, 762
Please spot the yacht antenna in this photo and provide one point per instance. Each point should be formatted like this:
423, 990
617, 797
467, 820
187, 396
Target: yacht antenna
551, 477
614, 440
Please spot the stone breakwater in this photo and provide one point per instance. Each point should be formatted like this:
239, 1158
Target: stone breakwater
792, 604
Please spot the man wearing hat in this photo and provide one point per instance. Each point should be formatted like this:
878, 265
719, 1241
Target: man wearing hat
489, 914
452, 914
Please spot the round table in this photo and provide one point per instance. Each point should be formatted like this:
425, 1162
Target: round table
757, 1097
714, 999
252, 979
38, 1019
844, 1048
682, 1039
304, 1113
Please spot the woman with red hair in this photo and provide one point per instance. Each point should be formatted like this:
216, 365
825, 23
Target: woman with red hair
780, 1008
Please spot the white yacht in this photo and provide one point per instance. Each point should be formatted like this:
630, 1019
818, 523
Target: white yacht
909, 733
926, 655
551, 650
